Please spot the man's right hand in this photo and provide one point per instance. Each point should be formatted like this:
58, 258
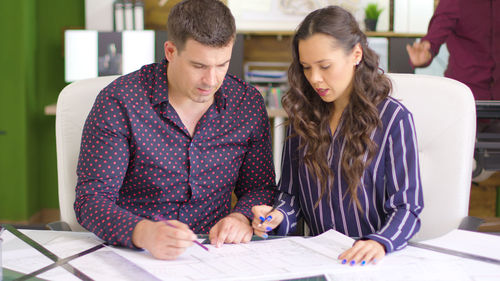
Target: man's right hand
161, 240
419, 53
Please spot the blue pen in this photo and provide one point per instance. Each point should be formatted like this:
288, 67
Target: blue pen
275, 205
262, 219
269, 217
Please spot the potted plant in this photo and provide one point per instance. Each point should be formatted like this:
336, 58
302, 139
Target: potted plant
372, 12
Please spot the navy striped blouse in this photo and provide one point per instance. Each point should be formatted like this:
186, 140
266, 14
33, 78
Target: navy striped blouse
390, 190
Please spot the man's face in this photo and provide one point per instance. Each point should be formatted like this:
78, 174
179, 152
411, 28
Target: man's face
197, 71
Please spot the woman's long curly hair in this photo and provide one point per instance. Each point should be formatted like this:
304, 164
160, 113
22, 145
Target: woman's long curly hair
310, 116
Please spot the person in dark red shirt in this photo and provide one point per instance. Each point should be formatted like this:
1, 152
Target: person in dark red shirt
471, 31
171, 142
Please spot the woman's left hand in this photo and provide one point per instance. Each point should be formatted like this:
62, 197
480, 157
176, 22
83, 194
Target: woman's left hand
363, 252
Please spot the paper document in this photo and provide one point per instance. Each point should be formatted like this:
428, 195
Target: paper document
273, 259
470, 242
258, 260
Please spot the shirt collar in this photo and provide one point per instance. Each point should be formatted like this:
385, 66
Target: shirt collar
159, 92
160, 88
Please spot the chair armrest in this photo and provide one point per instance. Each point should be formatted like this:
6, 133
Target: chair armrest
58, 226
470, 223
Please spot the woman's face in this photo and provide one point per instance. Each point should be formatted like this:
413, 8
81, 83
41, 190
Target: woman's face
328, 68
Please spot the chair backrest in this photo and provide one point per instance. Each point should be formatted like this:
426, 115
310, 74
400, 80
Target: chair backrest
73, 106
445, 120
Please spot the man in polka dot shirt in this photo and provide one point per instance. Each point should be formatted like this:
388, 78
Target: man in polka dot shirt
172, 140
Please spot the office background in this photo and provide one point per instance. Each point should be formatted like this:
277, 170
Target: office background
32, 75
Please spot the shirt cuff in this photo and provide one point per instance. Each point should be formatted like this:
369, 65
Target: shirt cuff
247, 212
284, 226
388, 245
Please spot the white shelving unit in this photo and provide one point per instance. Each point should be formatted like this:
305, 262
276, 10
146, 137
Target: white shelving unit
271, 80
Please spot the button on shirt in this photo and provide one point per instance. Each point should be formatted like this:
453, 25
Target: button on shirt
138, 160
390, 191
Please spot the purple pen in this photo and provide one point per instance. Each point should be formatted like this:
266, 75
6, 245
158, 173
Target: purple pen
171, 225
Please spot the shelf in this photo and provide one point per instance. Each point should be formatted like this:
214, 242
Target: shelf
266, 80
276, 112
368, 33
390, 34
50, 109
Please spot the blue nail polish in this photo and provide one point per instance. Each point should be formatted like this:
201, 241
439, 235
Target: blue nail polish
269, 218
353, 262
265, 236
268, 228
363, 263
344, 261
262, 218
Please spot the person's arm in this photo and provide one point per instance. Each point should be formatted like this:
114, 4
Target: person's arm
405, 199
256, 171
102, 164
441, 25
288, 211
289, 204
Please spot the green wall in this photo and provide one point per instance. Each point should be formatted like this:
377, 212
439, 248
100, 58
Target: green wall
32, 75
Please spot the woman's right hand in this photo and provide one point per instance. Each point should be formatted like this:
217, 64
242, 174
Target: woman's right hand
271, 220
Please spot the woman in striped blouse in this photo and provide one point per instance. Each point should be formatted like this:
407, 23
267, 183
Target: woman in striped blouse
350, 161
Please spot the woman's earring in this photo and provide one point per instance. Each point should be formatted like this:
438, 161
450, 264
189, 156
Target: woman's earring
358, 62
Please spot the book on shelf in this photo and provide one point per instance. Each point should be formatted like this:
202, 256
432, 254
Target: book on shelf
276, 76
271, 94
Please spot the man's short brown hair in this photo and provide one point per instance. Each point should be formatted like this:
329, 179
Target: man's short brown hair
208, 22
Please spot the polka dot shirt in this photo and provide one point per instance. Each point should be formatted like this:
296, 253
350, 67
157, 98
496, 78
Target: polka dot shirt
137, 159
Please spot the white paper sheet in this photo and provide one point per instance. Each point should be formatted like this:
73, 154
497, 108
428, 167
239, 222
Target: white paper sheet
258, 260
274, 259
482, 244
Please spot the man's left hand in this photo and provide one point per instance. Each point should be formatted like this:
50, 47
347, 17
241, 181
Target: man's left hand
235, 228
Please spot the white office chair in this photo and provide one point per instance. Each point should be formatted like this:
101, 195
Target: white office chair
444, 114
73, 106
445, 120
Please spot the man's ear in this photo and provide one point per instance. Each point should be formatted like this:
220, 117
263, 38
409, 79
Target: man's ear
170, 50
